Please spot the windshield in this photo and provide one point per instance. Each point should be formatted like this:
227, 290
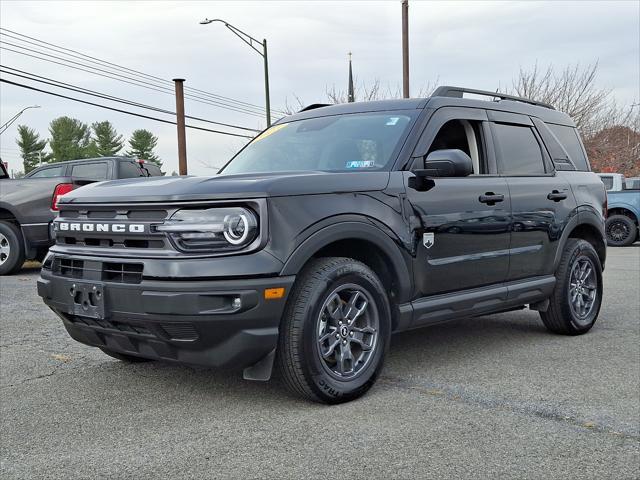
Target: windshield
348, 143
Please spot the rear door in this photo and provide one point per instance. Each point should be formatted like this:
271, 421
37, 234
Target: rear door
463, 238
541, 199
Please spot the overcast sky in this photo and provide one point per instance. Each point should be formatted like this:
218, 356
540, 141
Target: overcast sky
474, 44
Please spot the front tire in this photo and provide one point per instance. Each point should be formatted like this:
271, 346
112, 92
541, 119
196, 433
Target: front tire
335, 331
621, 231
11, 248
577, 296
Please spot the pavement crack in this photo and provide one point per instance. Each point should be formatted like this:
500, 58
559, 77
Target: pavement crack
458, 394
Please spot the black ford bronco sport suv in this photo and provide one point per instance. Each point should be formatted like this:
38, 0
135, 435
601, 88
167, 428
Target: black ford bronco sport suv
331, 230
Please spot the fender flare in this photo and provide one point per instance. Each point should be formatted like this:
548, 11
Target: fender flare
585, 216
9, 208
354, 230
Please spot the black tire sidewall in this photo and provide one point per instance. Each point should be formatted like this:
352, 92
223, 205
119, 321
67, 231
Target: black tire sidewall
632, 229
581, 249
16, 254
321, 382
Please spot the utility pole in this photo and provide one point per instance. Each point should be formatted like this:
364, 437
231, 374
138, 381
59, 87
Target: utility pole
182, 136
252, 42
266, 81
405, 48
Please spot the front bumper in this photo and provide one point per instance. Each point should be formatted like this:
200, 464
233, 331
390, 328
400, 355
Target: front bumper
192, 322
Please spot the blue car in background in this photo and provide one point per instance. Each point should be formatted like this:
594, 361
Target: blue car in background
623, 210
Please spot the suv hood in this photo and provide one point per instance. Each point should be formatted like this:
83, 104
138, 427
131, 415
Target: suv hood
220, 187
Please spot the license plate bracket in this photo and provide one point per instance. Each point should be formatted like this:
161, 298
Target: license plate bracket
87, 299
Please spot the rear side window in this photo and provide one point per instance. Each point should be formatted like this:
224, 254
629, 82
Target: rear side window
90, 171
519, 152
131, 170
48, 172
152, 169
568, 138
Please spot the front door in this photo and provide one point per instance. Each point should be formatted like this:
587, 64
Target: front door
464, 222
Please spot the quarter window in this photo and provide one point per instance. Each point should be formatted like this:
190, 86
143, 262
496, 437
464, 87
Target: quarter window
568, 138
519, 152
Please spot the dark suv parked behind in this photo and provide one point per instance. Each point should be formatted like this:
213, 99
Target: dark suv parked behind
332, 229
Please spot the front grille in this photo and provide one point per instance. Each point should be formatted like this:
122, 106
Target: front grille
93, 270
180, 331
124, 240
70, 268
122, 272
110, 325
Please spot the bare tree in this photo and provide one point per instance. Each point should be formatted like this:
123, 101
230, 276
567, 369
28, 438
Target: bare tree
610, 131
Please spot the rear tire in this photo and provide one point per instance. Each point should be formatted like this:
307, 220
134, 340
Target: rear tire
334, 332
621, 231
11, 248
577, 296
124, 357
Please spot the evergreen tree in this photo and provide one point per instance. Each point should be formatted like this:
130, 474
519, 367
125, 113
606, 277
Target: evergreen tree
106, 141
31, 148
70, 139
142, 143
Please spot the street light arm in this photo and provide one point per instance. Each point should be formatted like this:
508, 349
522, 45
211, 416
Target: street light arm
245, 37
5, 126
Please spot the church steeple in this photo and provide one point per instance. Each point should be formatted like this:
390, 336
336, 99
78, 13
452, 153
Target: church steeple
350, 93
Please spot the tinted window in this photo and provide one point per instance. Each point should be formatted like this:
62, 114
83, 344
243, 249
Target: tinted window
518, 150
133, 169
568, 138
91, 171
608, 182
48, 172
347, 143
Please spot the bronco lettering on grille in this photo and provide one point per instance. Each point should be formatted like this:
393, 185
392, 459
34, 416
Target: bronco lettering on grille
100, 227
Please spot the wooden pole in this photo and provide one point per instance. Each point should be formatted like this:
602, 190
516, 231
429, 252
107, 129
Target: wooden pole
182, 136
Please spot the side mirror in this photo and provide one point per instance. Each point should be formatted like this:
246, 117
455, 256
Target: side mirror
441, 163
448, 163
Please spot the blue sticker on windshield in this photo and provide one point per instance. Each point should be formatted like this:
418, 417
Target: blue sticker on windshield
392, 120
361, 164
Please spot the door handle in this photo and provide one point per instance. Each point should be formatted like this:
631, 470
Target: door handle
556, 196
490, 198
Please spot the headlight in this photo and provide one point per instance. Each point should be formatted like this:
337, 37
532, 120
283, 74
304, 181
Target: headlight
219, 229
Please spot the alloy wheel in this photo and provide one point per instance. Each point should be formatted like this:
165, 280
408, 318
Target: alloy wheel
583, 288
618, 231
5, 249
347, 333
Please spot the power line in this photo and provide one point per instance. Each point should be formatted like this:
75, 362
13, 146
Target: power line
83, 56
145, 84
120, 110
75, 88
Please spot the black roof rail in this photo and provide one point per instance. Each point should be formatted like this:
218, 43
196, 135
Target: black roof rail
314, 105
458, 92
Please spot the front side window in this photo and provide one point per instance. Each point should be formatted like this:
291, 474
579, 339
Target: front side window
519, 152
462, 135
48, 172
91, 171
342, 143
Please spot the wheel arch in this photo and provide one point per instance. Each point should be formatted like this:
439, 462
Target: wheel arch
363, 242
627, 212
589, 227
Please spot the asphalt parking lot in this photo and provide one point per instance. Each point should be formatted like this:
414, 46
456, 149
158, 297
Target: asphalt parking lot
492, 397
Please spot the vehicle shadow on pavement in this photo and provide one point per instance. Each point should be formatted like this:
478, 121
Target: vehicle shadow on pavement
416, 352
